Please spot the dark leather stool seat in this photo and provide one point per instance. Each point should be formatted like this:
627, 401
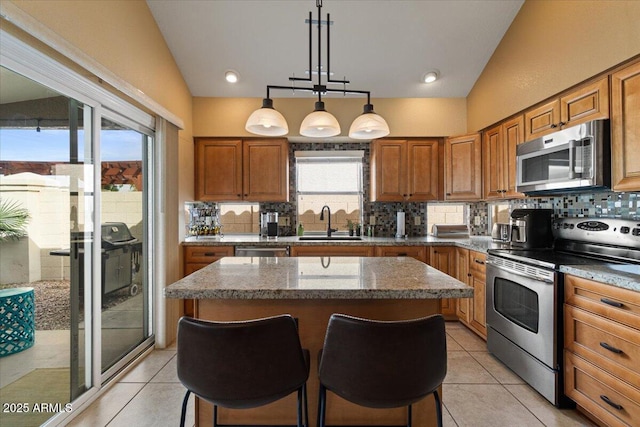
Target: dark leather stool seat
240, 365
380, 364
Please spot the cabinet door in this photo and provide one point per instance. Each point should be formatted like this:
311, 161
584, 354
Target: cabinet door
444, 259
512, 135
417, 252
588, 103
389, 170
542, 120
423, 174
266, 170
464, 305
625, 128
463, 167
478, 312
492, 151
218, 170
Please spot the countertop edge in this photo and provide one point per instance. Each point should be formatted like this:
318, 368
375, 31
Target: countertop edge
605, 274
315, 294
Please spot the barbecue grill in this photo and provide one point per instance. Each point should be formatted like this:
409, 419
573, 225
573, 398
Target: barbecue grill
120, 257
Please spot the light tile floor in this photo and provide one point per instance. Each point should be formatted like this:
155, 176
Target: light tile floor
478, 391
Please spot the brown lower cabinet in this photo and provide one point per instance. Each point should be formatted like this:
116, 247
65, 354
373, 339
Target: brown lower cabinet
444, 259
602, 351
417, 252
471, 269
197, 257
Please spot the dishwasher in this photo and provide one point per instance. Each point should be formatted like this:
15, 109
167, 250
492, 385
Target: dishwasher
262, 251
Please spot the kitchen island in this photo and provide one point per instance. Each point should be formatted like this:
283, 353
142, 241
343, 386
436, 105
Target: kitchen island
311, 289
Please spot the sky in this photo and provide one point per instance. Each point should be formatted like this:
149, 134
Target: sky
52, 145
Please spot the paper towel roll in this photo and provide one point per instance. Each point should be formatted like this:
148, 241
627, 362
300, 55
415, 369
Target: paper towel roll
400, 231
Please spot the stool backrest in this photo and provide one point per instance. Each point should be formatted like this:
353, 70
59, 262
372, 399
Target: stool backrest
241, 364
382, 364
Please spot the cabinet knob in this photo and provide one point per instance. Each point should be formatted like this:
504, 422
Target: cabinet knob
468, 274
448, 194
239, 195
553, 125
562, 123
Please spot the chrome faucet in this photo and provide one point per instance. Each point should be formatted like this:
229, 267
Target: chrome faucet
329, 229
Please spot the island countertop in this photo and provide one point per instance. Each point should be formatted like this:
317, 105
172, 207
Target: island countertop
318, 278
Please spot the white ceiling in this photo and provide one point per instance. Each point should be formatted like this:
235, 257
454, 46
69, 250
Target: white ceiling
380, 46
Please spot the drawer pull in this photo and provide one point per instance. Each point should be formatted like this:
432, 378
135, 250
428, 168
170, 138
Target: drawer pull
402, 254
612, 303
608, 347
209, 254
477, 261
609, 402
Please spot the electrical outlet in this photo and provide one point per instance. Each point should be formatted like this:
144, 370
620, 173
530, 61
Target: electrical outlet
372, 220
416, 220
477, 220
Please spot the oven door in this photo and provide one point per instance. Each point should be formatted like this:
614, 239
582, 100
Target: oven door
522, 307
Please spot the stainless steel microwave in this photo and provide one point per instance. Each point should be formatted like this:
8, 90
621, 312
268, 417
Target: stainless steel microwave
577, 158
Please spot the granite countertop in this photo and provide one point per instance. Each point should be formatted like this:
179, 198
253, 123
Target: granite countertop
318, 278
621, 275
476, 243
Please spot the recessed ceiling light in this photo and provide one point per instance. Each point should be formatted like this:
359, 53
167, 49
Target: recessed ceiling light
231, 76
430, 77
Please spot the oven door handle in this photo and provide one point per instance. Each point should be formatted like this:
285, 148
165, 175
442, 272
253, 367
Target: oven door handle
518, 273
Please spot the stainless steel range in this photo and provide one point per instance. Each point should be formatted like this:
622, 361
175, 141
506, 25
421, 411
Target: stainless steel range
525, 293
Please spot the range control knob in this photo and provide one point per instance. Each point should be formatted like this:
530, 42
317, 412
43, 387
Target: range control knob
624, 230
636, 232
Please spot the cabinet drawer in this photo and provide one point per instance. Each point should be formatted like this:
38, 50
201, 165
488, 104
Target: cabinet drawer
621, 305
591, 388
417, 252
332, 251
477, 261
609, 345
206, 254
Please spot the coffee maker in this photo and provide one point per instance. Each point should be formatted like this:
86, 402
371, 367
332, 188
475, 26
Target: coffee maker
531, 228
269, 225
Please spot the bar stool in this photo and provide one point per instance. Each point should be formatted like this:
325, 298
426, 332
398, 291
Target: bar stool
241, 365
380, 364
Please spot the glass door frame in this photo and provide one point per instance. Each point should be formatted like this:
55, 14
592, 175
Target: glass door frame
27, 60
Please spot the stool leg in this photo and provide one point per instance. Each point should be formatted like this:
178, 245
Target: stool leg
299, 417
409, 415
215, 415
306, 406
438, 407
183, 414
322, 401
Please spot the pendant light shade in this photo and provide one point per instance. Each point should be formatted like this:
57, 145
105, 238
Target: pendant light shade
266, 121
368, 125
320, 123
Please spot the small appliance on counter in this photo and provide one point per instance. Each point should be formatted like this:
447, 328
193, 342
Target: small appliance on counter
400, 226
501, 232
450, 230
203, 220
531, 228
269, 225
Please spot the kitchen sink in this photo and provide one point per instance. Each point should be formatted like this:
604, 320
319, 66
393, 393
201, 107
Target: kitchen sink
332, 238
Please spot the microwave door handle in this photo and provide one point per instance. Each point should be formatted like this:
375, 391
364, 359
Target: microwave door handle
573, 144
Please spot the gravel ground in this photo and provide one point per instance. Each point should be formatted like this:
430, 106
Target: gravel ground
53, 302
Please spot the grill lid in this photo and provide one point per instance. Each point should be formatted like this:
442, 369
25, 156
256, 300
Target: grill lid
116, 232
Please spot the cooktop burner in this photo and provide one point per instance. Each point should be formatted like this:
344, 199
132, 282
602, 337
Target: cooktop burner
546, 258
583, 241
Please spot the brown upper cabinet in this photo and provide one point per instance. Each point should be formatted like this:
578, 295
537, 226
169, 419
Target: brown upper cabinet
499, 154
625, 128
404, 170
463, 167
589, 102
229, 170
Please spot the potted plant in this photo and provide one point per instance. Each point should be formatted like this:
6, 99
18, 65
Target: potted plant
350, 227
13, 220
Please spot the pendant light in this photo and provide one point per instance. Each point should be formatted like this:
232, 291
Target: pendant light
320, 123
267, 121
368, 125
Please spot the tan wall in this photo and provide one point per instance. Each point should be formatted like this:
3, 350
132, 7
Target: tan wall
406, 117
551, 46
